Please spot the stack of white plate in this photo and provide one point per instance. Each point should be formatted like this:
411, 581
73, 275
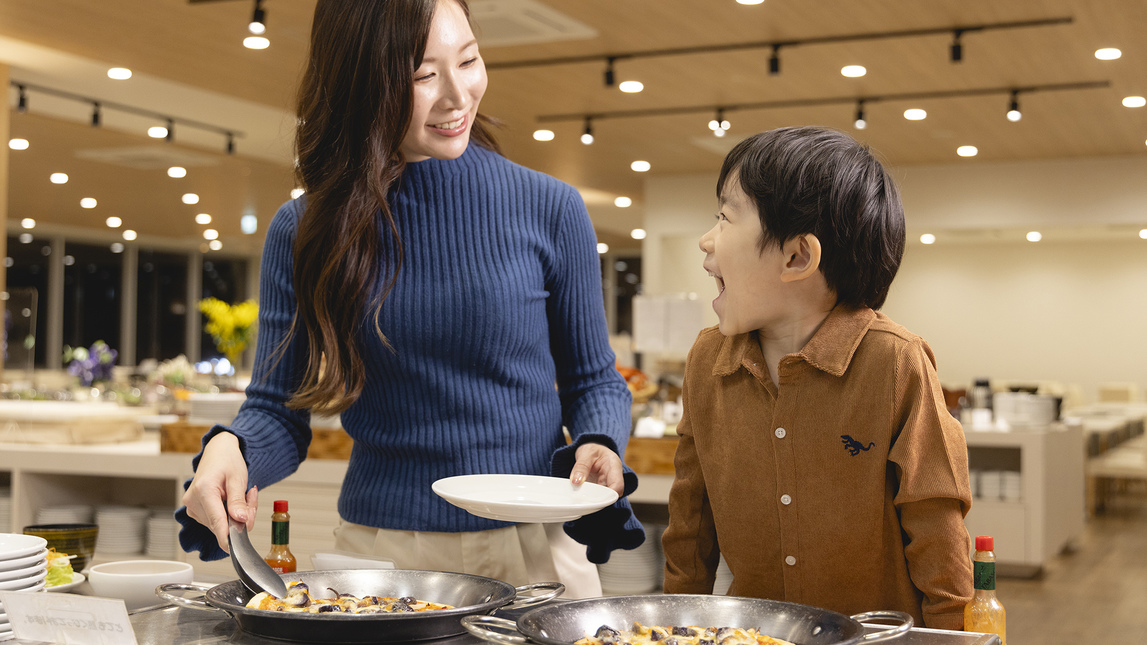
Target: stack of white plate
123, 529
206, 408
5, 509
161, 531
65, 514
23, 567
635, 572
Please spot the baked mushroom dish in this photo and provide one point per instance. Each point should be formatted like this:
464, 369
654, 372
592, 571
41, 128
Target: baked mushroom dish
299, 600
641, 635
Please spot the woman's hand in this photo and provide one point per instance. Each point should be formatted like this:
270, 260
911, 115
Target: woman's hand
222, 478
597, 464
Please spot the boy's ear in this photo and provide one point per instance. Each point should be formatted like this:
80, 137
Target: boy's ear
802, 257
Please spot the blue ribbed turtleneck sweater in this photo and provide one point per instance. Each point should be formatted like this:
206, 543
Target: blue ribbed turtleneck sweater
498, 298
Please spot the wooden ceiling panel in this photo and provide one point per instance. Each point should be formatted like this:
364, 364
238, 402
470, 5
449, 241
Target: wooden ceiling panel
198, 45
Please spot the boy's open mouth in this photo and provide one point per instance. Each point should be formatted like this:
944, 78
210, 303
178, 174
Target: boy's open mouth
720, 282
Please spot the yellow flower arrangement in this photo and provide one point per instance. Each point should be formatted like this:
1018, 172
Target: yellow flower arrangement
232, 326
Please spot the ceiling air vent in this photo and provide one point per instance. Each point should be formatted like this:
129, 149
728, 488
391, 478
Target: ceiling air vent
146, 157
498, 23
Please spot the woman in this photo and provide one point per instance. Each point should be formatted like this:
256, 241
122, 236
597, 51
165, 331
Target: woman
432, 293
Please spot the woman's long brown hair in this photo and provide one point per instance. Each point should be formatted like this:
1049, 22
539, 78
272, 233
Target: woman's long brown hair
354, 108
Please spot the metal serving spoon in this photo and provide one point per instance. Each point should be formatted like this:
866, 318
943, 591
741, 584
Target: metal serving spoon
253, 570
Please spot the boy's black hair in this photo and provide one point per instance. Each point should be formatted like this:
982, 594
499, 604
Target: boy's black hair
824, 182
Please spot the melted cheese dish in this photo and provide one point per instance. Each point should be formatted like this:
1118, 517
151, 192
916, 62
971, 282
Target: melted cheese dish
299, 600
642, 635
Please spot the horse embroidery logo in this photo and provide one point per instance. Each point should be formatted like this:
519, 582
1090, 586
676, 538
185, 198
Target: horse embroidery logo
853, 446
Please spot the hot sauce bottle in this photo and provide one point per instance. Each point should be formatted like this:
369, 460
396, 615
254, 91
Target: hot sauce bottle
985, 613
280, 557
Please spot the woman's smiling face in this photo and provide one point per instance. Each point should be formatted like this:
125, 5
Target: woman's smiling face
748, 279
448, 86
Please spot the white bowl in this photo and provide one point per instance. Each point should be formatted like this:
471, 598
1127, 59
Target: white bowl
134, 581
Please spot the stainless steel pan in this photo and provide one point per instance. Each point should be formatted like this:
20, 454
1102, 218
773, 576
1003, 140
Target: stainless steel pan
564, 623
468, 594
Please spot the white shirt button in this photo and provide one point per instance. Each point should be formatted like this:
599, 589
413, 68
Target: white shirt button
780, 432
786, 500
790, 560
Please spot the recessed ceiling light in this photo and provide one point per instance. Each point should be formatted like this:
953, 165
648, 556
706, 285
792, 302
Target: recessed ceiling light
28, 222
967, 151
543, 135
129, 235
177, 172
249, 224
1143, 233
214, 245
915, 114
630, 87
750, 2
119, 73
190, 198
256, 42
113, 222
853, 71
18, 144
637, 234
640, 166
210, 234
157, 132
116, 247
88, 202
928, 238
26, 238
1134, 101
1034, 236
623, 202
297, 193
1108, 53
58, 178
602, 247
203, 218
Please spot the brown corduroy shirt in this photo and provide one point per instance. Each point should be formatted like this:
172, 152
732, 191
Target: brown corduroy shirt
845, 488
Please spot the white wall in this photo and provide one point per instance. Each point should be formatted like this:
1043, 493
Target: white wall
1070, 309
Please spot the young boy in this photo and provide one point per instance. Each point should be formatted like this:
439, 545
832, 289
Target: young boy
816, 452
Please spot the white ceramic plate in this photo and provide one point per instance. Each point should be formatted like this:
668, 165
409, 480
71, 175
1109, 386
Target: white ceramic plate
18, 545
524, 498
77, 578
24, 584
20, 563
24, 572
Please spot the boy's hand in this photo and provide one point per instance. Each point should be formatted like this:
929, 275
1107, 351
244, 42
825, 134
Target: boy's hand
597, 464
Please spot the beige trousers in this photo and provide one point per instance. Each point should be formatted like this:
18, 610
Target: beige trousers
518, 554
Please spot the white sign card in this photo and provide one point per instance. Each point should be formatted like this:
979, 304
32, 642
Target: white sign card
68, 618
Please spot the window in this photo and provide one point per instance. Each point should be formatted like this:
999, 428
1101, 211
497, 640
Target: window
161, 310
225, 279
27, 265
92, 295
621, 281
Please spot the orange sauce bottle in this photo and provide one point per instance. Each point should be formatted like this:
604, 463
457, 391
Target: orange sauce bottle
280, 557
985, 613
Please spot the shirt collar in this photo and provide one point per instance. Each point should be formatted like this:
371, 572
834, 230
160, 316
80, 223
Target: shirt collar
830, 349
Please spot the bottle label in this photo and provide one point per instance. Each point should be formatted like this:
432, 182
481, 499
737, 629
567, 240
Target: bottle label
984, 575
280, 533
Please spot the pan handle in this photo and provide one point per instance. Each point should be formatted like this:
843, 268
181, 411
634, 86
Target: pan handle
491, 628
885, 634
520, 600
164, 591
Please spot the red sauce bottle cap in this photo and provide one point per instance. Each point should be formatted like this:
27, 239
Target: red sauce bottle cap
281, 507
983, 542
